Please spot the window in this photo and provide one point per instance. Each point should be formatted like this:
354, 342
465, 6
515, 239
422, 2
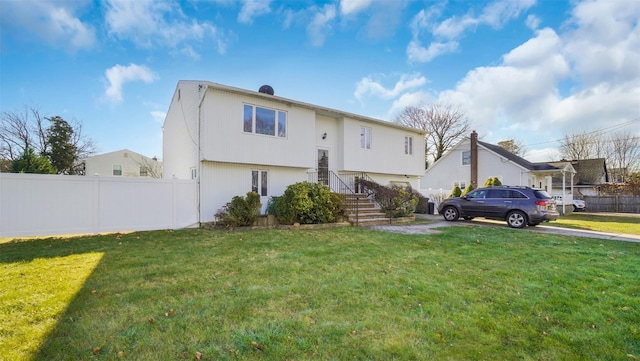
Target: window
365, 138
466, 157
194, 173
144, 171
259, 182
408, 145
117, 169
258, 120
461, 185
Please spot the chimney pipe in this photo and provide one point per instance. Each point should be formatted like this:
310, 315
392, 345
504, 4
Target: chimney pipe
474, 159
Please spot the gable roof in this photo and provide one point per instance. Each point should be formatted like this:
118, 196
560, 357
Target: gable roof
515, 158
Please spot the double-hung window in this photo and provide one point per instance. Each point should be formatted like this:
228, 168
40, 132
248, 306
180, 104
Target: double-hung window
408, 145
265, 121
365, 138
117, 169
259, 182
466, 157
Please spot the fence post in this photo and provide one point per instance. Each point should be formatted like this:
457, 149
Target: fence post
95, 227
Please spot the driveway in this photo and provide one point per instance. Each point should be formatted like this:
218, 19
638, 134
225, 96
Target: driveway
439, 222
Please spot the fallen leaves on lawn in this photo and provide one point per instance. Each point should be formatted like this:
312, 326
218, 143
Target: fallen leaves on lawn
151, 319
168, 312
257, 345
198, 356
96, 350
120, 353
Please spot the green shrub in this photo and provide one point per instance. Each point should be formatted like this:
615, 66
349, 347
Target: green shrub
456, 192
308, 203
492, 182
240, 211
467, 190
395, 201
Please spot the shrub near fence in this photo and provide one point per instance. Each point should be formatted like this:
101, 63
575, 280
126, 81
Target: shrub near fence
616, 203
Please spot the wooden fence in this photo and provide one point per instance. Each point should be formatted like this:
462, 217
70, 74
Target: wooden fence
619, 203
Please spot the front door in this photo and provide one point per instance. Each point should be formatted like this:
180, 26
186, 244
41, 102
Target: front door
323, 166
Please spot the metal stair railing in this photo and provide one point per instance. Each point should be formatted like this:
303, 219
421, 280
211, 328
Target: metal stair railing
347, 185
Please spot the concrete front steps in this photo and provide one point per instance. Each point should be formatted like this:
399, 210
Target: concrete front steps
368, 214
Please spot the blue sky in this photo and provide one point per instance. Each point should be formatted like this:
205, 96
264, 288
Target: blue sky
520, 69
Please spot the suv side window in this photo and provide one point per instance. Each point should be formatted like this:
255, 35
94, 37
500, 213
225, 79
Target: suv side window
478, 193
516, 194
498, 193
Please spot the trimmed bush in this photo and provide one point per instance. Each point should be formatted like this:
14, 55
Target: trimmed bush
240, 211
395, 201
308, 203
467, 190
456, 192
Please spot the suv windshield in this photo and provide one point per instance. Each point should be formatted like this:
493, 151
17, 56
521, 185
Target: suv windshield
541, 194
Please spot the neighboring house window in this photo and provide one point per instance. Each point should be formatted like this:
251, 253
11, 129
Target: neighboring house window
258, 120
466, 157
194, 173
117, 169
408, 145
144, 171
259, 182
365, 138
461, 185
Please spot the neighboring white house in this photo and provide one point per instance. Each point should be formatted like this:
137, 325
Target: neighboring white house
122, 163
473, 162
234, 141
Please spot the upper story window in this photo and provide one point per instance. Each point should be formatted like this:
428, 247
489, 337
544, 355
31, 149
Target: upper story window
258, 120
466, 157
144, 171
117, 169
365, 138
408, 145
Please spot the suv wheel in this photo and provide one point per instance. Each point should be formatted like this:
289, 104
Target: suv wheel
451, 214
516, 219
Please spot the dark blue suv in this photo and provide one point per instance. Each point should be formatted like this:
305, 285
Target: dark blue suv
519, 206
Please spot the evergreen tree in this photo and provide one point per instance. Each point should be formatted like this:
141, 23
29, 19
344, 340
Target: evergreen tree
60, 149
29, 162
456, 192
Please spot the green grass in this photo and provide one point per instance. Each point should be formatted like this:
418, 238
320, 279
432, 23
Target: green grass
601, 223
469, 293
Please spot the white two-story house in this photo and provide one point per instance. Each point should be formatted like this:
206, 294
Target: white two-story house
233, 141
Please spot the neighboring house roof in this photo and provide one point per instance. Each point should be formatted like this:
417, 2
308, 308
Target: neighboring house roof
589, 171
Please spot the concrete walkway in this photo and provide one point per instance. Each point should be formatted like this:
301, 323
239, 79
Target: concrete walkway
439, 222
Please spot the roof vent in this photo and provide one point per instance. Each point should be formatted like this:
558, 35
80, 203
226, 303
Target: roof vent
266, 89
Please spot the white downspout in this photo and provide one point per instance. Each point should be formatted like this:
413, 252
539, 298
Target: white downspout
564, 193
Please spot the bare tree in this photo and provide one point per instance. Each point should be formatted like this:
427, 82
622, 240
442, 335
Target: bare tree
150, 167
625, 155
28, 128
445, 126
578, 146
513, 146
20, 130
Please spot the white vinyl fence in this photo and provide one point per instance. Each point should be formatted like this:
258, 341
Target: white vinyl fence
42, 205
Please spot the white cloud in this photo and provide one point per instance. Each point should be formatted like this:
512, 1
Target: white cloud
604, 41
447, 32
368, 86
54, 22
349, 7
253, 8
118, 75
417, 52
157, 23
158, 116
321, 24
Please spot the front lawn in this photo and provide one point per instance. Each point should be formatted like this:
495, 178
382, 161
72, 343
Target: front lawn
469, 293
599, 222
